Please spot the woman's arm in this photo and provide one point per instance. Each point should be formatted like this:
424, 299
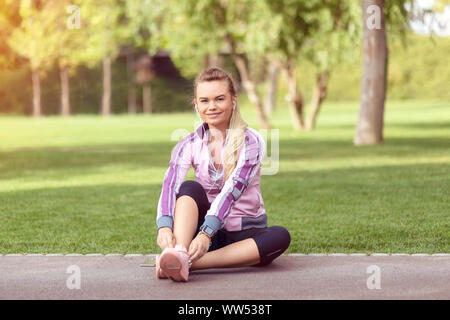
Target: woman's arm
250, 159
179, 165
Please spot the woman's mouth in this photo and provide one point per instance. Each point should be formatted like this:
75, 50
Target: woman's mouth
214, 115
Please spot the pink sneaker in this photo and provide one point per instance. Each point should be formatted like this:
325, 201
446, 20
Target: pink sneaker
159, 273
174, 263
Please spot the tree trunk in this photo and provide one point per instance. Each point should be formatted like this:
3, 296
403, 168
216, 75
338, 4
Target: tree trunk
65, 91
295, 98
131, 85
271, 95
36, 80
369, 129
248, 84
319, 94
214, 60
146, 98
106, 98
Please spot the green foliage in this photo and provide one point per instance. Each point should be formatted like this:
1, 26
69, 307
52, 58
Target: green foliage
142, 25
327, 34
34, 38
100, 29
417, 70
338, 38
192, 32
301, 19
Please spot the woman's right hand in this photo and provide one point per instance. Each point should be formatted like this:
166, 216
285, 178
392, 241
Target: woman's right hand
165, 238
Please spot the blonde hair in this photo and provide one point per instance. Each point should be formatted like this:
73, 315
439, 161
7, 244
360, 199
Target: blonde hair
237, 127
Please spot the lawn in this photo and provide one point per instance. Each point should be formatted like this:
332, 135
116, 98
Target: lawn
88, 184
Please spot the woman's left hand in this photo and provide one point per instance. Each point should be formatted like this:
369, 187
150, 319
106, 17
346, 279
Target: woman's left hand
199, 246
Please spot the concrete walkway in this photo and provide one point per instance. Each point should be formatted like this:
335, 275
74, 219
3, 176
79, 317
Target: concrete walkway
288, 277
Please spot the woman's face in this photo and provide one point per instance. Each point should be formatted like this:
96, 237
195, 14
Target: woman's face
214, 103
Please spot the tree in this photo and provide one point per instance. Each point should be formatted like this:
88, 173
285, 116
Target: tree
369, 129
301, 21
142, 30
100, 21
272, 86
33, 39
377, 16
202, 28
68, 42
335, 42
9, 20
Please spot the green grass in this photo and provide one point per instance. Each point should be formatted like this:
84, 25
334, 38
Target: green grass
88, 184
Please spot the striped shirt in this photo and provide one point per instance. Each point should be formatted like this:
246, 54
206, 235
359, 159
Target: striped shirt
236, 204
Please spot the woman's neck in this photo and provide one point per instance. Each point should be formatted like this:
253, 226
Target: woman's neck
217, 134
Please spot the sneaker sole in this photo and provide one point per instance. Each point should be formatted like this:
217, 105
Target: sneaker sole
159, 272
171, 266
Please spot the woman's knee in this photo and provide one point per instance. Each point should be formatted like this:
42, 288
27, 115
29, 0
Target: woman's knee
189, 187
272, 243
282, 236
195, 190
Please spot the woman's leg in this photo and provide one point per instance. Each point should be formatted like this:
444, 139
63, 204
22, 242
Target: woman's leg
272, 242
190, 209
239, 254
185, 220
260, 248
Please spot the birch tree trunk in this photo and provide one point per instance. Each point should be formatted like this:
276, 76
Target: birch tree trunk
146, 98
271, 95
295, 98
369, 128
248, 84
131, 83
65, 91
36, 80
106, 98
319, 94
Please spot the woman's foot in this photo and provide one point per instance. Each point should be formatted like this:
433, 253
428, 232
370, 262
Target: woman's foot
174, 263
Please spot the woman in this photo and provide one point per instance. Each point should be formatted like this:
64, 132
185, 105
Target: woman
218, 220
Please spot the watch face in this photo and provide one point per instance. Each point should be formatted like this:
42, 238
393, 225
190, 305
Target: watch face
208, 230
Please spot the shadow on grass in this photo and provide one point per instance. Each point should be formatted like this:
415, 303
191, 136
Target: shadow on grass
67, 161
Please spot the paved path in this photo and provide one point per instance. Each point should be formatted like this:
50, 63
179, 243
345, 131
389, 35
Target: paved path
289, 277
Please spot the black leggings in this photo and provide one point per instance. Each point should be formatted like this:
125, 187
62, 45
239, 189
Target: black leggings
271, 241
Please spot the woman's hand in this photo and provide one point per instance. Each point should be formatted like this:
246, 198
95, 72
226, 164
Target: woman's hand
199, 246
165, 238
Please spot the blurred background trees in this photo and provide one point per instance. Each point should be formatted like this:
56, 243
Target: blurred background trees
115, 56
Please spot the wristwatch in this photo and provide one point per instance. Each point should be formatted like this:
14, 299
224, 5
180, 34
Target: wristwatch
208, 231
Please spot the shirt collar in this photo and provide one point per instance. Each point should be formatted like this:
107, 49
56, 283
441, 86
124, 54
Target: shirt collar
201, 131
203, 134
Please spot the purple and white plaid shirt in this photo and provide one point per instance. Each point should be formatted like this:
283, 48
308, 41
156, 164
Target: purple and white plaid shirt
236, 204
